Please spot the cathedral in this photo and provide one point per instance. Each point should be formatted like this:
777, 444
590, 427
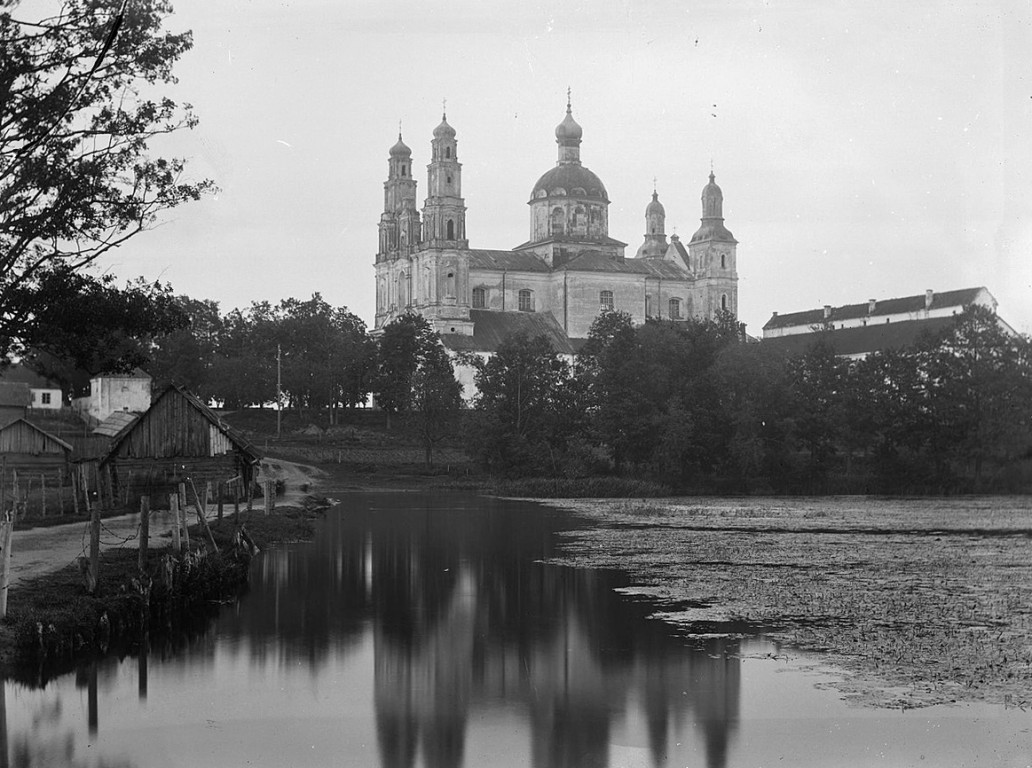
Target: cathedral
562, 277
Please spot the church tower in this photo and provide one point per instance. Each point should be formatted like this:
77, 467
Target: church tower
712, 252
399, 235
655, 245
441, 266
444, 211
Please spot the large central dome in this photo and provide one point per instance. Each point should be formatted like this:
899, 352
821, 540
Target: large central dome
570, 180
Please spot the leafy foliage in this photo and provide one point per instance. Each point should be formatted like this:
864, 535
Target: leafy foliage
77, 117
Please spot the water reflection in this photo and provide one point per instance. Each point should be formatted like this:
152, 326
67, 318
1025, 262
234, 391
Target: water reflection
465, 619
443, 600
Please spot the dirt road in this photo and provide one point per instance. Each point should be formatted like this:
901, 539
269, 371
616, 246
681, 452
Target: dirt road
42, 550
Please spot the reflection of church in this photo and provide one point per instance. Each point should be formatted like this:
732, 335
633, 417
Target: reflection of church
558, 281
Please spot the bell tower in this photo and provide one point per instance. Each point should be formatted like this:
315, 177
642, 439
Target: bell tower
444, 211
713, 255
399, 236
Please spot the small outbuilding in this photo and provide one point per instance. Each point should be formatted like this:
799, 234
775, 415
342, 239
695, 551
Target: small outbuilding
27, 448
177, 440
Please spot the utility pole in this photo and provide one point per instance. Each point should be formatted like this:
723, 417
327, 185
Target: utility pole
279, 389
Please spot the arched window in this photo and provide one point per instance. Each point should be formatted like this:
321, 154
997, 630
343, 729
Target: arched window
605, 300
558, 221
403, 170
402, 292
526, 300
675, 309
580, 219
723, 301
447, 153
723, 261
449, 178
479, 298
451, 230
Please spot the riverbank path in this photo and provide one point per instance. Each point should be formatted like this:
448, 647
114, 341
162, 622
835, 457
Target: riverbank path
39, 551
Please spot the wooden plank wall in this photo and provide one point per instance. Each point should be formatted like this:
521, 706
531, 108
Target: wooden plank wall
171, 428
158, 478
21, 438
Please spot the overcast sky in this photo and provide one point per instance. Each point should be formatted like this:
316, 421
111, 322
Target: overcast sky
865, 150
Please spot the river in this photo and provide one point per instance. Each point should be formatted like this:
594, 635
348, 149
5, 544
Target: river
422, 630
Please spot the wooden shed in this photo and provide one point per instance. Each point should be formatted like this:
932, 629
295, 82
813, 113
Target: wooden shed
27, 448
178, 439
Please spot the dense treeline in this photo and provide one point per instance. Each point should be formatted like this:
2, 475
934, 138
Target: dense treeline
694, 406
321, 354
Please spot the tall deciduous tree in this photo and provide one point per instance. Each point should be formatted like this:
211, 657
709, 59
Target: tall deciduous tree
77, 117
436, 399
403, 343
520, 409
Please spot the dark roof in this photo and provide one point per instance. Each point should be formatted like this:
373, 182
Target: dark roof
491, 328
595, 261
171, 390
135, 373
811, 317
862, 339
576, 239
16, 393
25, 375
516, 261
568, 177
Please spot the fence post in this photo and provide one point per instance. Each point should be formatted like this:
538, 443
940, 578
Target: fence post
43, 491
6, 537
173, 505
220, 488
270, 499
185, 521
94, 574
144, 529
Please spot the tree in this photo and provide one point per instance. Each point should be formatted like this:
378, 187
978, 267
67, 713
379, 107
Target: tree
436, 398
76, 174
520, 410
979, 381
186, 356
404, 343
83, 325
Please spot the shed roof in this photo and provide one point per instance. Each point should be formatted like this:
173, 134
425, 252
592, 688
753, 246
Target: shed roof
15, 393
25, 375
115, 423
173, 390
491, 328
907, 304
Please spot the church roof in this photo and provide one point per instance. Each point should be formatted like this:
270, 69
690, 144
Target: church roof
863, 339
570, 180
515, 261
595, 261
491, 328
958, 298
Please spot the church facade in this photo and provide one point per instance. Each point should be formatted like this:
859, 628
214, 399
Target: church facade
562, 277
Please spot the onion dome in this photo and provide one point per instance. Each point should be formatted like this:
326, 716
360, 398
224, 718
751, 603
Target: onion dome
570, 180
444, 131
712, 200
400, 149
568, 130
655, 208
713, 215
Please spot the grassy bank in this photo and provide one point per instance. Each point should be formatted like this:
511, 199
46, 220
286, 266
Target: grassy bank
921, 601
52, 623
